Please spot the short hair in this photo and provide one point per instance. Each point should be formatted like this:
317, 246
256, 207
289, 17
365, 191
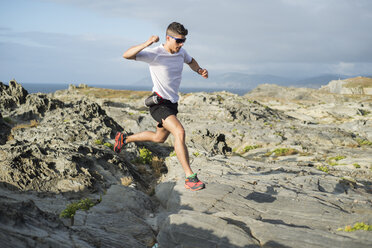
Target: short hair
176, 28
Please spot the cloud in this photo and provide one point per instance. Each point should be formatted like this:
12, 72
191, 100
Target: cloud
42, 57
261, 31
280, 37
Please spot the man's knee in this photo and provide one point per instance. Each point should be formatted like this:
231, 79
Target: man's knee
160, 139
180, 133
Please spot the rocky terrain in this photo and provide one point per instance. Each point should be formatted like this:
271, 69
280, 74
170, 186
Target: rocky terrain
283, 167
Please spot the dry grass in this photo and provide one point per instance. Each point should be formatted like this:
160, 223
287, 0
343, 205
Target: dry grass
157, 166
110, 93
126, 181
363, 82
33, 123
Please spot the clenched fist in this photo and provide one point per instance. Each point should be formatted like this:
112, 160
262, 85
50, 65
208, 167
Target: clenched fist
151, 40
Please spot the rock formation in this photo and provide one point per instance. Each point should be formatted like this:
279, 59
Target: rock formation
283, 167
358, 86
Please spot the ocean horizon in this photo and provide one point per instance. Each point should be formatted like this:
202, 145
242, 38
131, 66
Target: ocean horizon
52, 87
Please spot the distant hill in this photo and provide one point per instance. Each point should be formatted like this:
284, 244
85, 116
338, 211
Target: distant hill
356, 85
232, 80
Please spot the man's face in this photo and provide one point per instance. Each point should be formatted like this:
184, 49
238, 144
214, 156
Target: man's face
175, 42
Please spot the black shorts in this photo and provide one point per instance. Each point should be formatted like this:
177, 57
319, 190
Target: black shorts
161, 111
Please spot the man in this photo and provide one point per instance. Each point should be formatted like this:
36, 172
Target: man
166, 65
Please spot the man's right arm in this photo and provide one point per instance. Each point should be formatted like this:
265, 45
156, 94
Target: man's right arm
134, 50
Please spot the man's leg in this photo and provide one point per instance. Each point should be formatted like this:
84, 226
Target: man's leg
121, 139
160, 136
174, 126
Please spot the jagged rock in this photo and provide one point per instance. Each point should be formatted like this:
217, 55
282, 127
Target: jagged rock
12, 96
4, 130
118, 221
281, 170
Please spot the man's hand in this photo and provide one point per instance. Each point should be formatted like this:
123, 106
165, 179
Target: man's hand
203, 72
151, 40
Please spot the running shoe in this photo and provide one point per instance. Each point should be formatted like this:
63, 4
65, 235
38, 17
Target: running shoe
119, 141
193, 183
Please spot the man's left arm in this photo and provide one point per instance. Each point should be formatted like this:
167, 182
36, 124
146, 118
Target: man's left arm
195, 67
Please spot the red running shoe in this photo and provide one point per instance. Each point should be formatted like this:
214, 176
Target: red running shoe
193, 183
119, 141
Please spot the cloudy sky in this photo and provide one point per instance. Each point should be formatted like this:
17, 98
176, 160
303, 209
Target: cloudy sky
82, 41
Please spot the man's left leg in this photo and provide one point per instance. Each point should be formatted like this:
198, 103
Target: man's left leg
174, 126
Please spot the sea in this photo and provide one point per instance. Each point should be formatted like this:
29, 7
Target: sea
52, 87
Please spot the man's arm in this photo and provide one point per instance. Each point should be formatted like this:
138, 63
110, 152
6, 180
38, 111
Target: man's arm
195, 67
134, 50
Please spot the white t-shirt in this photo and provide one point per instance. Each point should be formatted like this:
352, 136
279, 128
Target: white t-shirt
165, 69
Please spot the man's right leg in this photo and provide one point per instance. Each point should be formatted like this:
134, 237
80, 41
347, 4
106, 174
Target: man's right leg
160, 136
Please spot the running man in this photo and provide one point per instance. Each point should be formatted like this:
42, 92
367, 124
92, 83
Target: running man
166, 65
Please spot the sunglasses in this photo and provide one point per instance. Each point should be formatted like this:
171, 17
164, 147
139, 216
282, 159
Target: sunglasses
178, 40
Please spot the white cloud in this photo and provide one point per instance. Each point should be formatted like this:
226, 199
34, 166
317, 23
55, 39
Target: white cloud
267, 36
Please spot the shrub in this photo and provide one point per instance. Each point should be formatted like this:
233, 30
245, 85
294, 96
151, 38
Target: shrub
356, 165
333, 160
145, 156
98, 142
357, 226
362, 142
158, 166
84, 204
196, 154
248, 148
323, 168
173, 154
283, 152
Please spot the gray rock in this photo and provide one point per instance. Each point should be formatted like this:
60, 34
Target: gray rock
11, 96
282, 169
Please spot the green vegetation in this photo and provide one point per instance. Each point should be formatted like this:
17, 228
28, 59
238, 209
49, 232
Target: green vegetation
248, 148
172, 154
356, 165
323, 168
357, 226
84, 204
196, 154
268, 124
363, 112
283, 152
348, 180
337, 158
332, 161
100, 142
145, 156
362, 142
109, 145
220, 99
8, 120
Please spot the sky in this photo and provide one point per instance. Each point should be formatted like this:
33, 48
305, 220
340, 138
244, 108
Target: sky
82, 41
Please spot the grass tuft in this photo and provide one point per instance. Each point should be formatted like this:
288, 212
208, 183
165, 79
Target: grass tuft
357, 226
84, 204
283, 152
323, 168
